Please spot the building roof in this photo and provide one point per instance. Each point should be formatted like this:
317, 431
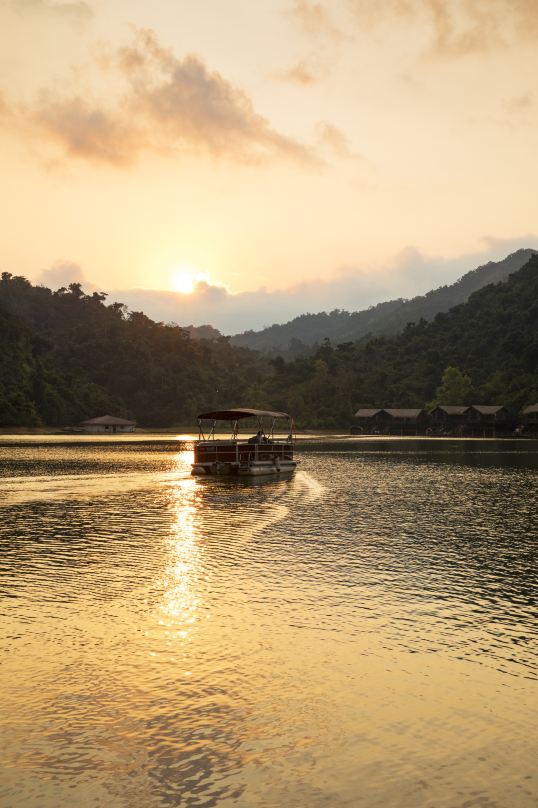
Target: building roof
531, 408
487, 409
451, 409
364, 412
406, 413
107, 420
237, 414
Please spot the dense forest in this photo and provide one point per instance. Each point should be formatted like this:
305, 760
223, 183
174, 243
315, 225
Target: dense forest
301, 334
492, 339
67, 356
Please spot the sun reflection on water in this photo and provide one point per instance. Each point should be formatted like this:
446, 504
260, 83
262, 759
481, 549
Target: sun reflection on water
184, 575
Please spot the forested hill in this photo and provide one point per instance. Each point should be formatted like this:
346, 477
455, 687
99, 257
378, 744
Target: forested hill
66, 356
295, 337
492, 339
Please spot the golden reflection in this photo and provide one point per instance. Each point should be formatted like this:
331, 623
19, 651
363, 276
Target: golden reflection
183, 577
184, 460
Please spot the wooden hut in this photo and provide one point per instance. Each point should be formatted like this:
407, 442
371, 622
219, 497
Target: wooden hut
107, 424
368, 421
530, 418
486, 419
406, 421
448, 419
389, 421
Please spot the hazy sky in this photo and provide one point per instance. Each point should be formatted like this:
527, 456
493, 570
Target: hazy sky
347, 151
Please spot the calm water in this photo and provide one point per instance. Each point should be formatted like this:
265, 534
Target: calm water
363, 634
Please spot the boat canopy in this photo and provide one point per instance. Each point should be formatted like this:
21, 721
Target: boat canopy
237, 414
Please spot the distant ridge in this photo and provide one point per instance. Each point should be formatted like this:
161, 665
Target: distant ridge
202, 332
67, 355
303, 332
492, 339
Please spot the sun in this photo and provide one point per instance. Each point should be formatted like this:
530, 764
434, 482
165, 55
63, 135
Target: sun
185, 279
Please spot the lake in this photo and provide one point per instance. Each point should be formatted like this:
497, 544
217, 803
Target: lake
362, 634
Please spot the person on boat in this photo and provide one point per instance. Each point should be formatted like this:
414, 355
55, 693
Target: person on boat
257, 438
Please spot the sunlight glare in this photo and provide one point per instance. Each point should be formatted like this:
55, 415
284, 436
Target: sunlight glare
183, 579
186, 278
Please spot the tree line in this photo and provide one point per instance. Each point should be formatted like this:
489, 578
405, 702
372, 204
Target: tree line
67, 355
304, 334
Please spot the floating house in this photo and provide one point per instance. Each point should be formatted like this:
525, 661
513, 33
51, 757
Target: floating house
407, 421
474, 420
106, 424
448, 418
389, 421
530, 417
487, 416
368, 421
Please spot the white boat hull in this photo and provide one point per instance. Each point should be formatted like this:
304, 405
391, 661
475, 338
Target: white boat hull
252, 469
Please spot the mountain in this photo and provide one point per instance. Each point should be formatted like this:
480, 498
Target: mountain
300, 334
492, 338
202, 332
66, 356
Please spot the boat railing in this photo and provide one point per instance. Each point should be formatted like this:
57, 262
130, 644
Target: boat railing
244, 443
243, 451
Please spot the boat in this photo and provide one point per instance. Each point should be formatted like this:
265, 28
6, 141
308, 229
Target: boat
264, 453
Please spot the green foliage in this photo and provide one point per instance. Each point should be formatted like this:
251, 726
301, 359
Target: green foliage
492, 339
456, 388
302, 335
66, 356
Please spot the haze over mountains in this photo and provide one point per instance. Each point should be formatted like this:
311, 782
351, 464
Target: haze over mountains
299, 335
67, 355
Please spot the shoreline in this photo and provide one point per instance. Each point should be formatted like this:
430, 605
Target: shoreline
189, 435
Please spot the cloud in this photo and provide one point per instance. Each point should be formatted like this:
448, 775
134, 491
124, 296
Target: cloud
331, 137
411, 272
299, 73
75, 12
62, 273
520, 103
460, 27
169, 106
314, 19
192, 105
85, 130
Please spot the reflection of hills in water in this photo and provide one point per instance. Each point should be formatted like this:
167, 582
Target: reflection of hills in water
213, 641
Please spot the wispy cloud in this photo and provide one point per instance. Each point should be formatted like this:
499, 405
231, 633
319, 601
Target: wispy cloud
520, 103
300, 73
314, 19
62, 273
75, 12
86, 130
460, 27
189, 104
334, 139
168, 105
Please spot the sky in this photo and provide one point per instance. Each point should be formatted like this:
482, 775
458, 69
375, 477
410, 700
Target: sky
238, 163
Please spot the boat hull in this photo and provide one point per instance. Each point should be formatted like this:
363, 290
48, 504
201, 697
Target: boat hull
243, 458
252, 469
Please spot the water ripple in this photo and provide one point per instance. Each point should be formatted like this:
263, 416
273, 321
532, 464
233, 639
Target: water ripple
363, 634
